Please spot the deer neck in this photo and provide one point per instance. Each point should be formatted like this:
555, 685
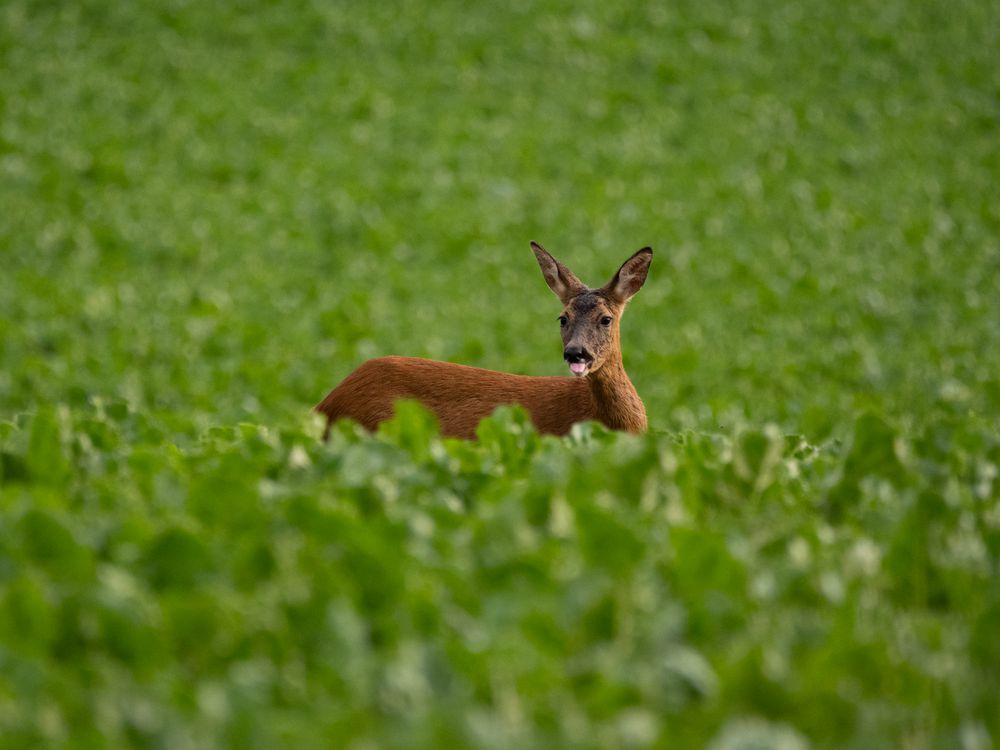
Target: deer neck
616, 402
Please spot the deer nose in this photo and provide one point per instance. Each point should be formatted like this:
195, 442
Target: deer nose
576, 354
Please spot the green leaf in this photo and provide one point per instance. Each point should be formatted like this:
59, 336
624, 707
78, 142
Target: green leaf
875, 450
413, 428
27, 618
607, 542
176, 559
48, 543
46, 458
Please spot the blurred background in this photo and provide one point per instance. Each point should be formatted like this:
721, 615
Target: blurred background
220, 210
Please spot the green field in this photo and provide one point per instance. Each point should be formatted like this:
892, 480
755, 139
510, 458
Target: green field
211, 213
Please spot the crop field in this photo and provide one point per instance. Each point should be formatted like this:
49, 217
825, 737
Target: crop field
210, 213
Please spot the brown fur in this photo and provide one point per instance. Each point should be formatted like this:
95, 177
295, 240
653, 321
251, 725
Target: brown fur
461, 396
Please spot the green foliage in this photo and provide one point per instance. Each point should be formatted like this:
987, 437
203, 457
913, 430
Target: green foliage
212, 213
405, 590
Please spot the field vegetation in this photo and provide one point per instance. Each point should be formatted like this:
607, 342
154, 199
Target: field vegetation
211, 213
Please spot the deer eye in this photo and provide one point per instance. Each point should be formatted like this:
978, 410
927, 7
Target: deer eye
563, 320
606, 320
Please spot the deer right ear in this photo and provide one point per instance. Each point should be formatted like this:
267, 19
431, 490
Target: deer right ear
559, 278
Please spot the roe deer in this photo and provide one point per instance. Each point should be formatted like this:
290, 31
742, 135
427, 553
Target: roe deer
460, 395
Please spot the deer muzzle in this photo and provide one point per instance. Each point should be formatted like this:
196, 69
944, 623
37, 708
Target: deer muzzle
578, 359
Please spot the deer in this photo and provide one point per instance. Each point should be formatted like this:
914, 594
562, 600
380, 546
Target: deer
598, 388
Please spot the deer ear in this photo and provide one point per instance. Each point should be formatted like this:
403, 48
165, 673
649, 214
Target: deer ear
631, 276
559, 278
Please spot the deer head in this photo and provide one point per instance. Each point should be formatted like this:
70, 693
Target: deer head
589, 322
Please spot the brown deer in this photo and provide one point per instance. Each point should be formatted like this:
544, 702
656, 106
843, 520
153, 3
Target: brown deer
460, 395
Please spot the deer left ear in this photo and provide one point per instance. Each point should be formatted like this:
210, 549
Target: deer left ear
631, 276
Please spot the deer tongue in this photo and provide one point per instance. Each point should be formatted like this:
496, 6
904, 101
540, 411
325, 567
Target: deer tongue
578, 368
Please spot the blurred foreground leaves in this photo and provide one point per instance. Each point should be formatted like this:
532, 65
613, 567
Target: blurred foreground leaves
252, 587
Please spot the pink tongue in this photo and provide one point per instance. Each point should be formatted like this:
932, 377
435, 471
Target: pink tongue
577, 367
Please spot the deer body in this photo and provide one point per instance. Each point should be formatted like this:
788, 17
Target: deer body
461, 396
